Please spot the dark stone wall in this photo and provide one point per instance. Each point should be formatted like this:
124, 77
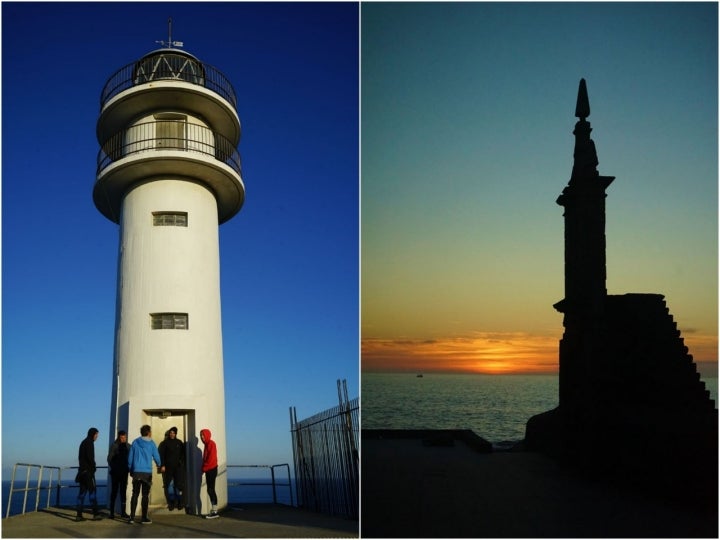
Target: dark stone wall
634, 405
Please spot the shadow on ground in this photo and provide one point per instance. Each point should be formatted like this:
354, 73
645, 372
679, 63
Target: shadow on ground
237, 521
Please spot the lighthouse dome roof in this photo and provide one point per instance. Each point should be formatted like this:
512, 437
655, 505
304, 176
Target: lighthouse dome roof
170, 50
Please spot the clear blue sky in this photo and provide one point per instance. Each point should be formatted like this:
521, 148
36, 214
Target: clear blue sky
467, 119
289, 259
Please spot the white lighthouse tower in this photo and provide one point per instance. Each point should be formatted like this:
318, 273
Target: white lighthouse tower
168, 173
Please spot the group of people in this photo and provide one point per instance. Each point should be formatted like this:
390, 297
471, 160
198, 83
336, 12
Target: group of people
136, 460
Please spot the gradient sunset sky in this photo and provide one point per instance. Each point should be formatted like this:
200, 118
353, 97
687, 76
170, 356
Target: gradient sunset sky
467, 113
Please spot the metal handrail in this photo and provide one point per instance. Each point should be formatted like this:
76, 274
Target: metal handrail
166, 65
144, 137
273, 482
38, 488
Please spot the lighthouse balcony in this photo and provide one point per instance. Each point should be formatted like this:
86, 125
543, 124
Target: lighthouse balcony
168, 78
168, 148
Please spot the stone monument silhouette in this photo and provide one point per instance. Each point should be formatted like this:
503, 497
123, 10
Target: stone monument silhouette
630, 397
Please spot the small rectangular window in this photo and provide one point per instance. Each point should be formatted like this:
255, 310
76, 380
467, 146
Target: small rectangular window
169, 321
171, 219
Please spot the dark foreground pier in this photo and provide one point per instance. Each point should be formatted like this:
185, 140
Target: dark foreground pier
444, 484
238, 521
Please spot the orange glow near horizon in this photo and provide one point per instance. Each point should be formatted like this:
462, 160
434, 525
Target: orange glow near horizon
492, 353
488, 352
703, 348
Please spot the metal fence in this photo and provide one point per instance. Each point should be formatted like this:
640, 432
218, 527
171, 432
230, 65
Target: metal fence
325, 451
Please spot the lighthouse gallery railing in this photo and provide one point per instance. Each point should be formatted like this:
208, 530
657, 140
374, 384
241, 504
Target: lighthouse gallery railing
168, 135
168, 66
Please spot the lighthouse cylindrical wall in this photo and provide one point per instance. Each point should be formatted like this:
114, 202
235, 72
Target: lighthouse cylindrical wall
168, 330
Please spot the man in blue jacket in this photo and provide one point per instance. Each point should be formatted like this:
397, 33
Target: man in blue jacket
142, 453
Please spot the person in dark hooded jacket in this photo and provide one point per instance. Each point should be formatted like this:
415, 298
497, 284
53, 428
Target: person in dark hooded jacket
118, 462
86, 474
172, 456
210, 468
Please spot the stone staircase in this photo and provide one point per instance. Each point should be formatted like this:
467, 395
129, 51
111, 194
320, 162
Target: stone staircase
646, 358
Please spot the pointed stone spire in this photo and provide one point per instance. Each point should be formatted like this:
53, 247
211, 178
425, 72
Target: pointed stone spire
582, 109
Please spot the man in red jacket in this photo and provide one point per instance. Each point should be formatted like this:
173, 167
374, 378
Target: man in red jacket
210, 468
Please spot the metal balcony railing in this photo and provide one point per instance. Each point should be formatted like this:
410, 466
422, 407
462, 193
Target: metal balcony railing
168, 135
168, 66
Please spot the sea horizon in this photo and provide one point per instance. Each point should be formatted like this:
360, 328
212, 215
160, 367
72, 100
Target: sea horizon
495, 407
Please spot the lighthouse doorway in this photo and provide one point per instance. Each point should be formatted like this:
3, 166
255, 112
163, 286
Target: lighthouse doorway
160, 422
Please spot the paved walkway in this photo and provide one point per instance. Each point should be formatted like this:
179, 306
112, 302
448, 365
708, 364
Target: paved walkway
437, 488
238, 521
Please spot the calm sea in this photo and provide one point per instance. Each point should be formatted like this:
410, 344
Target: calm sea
496, 407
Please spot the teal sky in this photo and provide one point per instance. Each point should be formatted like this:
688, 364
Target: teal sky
467, 113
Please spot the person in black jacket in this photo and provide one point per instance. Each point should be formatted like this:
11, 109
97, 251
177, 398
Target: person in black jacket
86, 474
172, 455
118, 463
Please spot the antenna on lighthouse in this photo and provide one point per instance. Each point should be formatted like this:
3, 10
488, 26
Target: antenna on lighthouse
170, 43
